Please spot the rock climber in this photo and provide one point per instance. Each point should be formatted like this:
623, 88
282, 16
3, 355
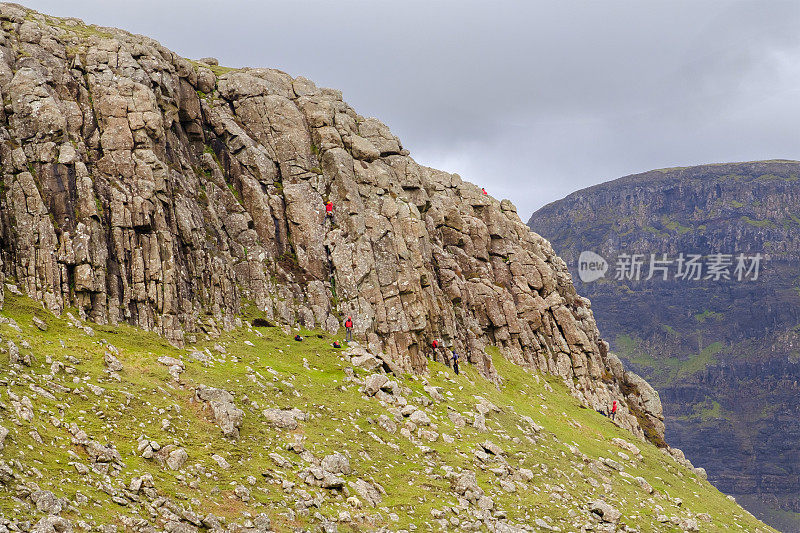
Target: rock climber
484, 191
614, 410
329, 211
434, 347
348, 326
455, 362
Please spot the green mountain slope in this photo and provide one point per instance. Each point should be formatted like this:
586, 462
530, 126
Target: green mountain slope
77, 433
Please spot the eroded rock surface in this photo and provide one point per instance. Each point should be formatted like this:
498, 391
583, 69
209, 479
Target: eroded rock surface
145, 188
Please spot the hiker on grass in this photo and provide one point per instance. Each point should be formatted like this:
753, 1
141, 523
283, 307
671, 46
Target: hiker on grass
298, 338
329, 211
614, 410
348, 325
455, 362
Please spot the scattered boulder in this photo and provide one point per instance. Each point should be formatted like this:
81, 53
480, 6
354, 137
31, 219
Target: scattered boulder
466, 484
284, 418
625, 445
17, 358
369, 492
492, 448
434, 392
456, 418
112, 363
336, 463
52, 524
373, 383
387, 424
605, 511
227, 416
420, 418
46, 502
366, 361
223, 464
177, 458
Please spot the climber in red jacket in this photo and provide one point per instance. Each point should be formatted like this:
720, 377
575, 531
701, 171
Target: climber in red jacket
348, 325
614, 410
329, 211
434, 347
484, 191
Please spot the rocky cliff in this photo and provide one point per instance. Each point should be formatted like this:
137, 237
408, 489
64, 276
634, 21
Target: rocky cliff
723, 353
145, 188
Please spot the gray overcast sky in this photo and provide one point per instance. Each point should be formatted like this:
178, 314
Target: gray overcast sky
532, 100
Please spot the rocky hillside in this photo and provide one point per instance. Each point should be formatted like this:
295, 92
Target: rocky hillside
723, 353
106, 428
143, 188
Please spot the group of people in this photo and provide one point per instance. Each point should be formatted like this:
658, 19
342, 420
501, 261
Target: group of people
612, 414
348, 326
453, 355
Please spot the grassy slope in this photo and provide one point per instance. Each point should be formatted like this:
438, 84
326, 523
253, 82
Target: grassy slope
412, 476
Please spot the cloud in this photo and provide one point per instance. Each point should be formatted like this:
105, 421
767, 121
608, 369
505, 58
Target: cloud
534, 99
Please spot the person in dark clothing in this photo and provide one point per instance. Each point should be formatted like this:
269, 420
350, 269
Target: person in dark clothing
614, 410
336, 344
455, 362
348, 325
298, 338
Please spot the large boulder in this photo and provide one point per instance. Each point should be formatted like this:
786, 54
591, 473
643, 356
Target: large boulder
227, 416
284, 418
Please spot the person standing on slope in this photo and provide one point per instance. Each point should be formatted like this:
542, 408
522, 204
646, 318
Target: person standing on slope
434, 347
455, 362
348, 326
614, 410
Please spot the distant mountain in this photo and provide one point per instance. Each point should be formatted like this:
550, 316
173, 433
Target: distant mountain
724, 354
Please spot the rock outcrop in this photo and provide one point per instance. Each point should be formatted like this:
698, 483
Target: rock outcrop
141, 187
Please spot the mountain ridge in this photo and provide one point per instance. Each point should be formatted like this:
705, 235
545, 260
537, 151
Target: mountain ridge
667, 174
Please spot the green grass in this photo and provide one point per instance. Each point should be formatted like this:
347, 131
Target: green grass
275, 371
702, 360
707, 314
663, 370
759, 223
675, 226
218, 70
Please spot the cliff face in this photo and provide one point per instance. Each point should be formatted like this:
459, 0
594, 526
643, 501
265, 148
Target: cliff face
142, 187
722, 353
